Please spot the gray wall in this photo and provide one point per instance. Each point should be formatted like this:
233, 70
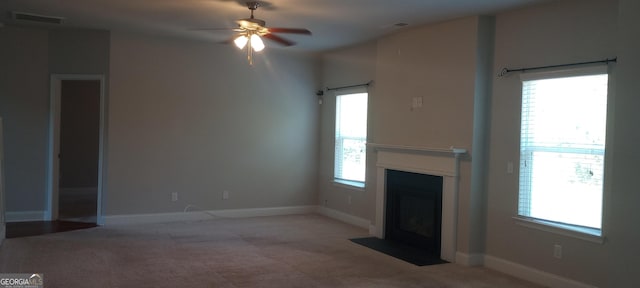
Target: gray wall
481, 133
196, 119
623, 231
192, 118
29, 56
187, 117
79, 51
24, 106
571, 31
2, 217
438, 62
345, 67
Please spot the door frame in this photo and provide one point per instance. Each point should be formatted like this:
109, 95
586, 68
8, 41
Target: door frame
53, 145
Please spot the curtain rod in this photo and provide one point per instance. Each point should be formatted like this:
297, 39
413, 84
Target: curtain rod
350, 86
506, 71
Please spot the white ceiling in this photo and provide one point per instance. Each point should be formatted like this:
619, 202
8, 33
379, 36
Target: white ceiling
334, 23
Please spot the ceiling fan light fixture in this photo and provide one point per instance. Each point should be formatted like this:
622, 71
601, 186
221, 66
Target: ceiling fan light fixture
256, 43
241, 41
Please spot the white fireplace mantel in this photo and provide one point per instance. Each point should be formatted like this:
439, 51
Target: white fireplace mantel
432, 161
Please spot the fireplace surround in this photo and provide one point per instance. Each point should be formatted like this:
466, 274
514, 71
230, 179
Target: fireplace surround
422, 160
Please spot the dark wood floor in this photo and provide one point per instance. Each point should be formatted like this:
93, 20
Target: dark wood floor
25, 229
74, 206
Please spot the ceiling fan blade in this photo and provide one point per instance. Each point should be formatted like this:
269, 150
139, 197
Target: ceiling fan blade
216, 29
279, 40
228, 41
290, 30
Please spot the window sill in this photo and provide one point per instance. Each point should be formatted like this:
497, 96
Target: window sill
353, 185
587, 234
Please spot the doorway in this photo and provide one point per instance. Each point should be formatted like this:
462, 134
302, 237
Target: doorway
76, 148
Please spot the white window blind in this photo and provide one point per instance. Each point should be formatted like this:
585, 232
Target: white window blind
351, 137
562, 146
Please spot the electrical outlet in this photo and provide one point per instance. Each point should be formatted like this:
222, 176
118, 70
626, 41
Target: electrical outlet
174, 196
225, 195
349, 199
557, 251
509, 167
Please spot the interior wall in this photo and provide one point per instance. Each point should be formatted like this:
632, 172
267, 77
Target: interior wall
481, 124
79, 51
24, 107
196, 119
345, 67
2, 217
572, 31
438, 63
623, 232
29, 55
435, 62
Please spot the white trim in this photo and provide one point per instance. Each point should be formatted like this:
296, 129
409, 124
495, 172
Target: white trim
347, 185
438, 162
25, 216
344, 217
262, 212
469, 259
51, 212
155, 218
417, 149
558, 229
530, 274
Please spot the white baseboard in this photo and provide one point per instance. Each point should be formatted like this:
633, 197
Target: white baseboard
204, 215
24, 216
534, 275
344, 217
260, 212
469, 259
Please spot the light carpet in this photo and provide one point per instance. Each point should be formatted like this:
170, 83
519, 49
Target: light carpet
281, 251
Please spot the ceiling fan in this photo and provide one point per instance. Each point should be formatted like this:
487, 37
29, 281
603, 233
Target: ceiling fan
250, 30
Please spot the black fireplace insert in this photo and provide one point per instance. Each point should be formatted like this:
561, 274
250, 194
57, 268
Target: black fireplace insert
414, 210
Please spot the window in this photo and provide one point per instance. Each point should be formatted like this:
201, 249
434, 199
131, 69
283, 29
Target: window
562, 148
351, 138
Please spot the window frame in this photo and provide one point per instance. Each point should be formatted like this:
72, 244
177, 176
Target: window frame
340, 182
576, 231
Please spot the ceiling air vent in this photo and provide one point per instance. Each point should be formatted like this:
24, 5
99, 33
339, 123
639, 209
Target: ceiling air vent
22, 16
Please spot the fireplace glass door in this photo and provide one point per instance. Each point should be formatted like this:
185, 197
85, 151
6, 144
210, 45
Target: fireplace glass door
414, 210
